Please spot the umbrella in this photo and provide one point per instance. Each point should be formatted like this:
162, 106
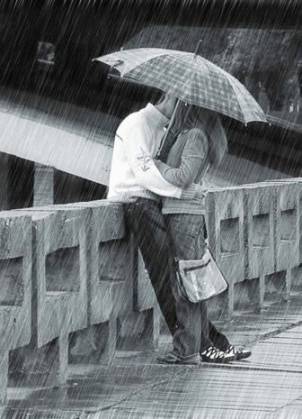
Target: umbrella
189, 77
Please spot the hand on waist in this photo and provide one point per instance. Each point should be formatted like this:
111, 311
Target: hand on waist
199, 191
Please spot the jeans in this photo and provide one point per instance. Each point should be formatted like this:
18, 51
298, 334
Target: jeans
195, 332
159, 239
145, 221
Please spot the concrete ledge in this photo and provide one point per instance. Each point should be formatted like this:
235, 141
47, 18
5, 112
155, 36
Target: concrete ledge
16, 291
59, 294
88, 293
225, 221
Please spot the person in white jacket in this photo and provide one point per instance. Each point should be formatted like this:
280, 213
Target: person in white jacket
136, 181
137, 141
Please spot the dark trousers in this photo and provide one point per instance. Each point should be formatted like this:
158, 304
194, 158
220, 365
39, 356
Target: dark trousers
146, 222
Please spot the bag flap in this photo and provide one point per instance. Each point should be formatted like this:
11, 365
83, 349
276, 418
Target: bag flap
195, 263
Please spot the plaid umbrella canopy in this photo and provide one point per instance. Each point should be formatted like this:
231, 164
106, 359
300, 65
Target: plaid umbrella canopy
189, 77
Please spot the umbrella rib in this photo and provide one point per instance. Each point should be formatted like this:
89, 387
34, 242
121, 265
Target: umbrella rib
239, 95
241, 99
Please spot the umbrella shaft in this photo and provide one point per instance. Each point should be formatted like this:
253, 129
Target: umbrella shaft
169, 127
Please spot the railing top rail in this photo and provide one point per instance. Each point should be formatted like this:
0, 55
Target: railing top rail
263, 184
42, 211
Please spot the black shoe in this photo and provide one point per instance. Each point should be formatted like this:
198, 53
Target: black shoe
174, 359
214, 355
238, 353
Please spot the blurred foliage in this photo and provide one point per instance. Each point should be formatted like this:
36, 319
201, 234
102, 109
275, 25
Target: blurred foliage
265, 60
260, 58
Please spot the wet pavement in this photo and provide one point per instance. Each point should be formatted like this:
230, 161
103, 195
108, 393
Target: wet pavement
268, 384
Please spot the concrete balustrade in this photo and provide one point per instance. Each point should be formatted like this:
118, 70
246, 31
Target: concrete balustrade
88, 293
111, 288
15, 290
266, 259
59, 293
110, 269
225, 222
259, 239
288, 233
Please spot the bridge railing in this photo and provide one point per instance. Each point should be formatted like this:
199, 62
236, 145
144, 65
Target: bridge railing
74, 287
255, 235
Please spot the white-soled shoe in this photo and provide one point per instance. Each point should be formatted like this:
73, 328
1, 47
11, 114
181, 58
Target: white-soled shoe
214, 355
238, 352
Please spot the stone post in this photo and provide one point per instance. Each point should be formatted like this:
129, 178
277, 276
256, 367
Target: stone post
43, 185
4, 181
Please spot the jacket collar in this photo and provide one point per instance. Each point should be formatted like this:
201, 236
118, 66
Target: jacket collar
155, 115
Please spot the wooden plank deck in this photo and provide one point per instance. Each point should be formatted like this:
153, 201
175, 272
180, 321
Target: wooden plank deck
267, 385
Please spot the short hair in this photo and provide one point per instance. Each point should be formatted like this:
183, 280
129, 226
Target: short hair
161, 98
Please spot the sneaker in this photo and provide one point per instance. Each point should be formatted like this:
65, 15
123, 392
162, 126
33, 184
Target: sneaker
238, 352
173, 358
212, 354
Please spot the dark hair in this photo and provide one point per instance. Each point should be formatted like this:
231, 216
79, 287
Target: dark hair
160, 98
189, 116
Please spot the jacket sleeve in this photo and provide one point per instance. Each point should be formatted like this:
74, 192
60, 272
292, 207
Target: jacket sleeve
139, 157
193, 157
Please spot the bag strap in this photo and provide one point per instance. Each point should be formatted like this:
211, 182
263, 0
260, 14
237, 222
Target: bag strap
179, 280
